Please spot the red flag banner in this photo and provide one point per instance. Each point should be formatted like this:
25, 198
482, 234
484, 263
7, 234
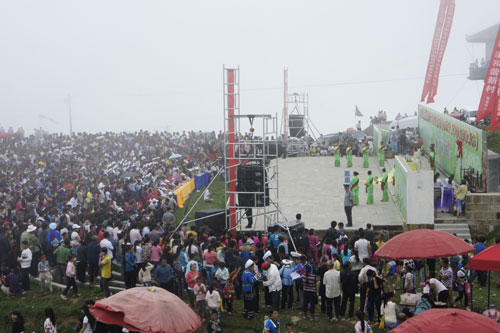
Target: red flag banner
434, 49
450, 11
489, 98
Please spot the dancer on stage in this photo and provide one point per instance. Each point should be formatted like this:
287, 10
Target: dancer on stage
432, 158
336, 152
348, 153
381, 154
366, 155
355, 187
369, 188
385, 186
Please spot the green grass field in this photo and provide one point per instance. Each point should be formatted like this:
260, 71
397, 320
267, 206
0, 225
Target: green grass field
217, 189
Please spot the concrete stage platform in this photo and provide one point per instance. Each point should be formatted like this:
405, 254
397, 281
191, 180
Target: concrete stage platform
313, 186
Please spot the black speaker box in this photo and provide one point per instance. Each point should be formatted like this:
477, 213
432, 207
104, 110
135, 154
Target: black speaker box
296, 125
252, 178
216, 223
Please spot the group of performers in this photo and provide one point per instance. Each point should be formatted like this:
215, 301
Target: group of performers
370, 181
369, 186
366, 155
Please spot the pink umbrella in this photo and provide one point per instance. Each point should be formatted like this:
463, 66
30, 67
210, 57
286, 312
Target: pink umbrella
147, 309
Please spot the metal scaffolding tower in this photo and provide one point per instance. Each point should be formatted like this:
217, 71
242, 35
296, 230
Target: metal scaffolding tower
250, 142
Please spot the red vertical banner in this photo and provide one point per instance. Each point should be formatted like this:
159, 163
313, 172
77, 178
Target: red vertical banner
434, 49
491, 91
450, 11
231, 145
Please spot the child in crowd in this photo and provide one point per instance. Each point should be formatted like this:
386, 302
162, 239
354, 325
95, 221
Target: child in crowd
44, 273
289, 328
145, 274
361, 325
214, 323
70, 278
200, 290
272, 324
213, 300
229, 293
409, 281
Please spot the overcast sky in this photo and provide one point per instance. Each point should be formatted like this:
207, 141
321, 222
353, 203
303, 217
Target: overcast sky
157, 65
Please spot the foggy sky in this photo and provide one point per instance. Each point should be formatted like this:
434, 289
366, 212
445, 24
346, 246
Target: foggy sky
157, 65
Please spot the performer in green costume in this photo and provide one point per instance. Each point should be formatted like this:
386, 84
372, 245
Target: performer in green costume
432, 158
336, 151
385, 186
366, 155
355, 187
381, 154
369, 188
348, 152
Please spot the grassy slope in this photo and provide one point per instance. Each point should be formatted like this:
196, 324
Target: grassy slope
217, 190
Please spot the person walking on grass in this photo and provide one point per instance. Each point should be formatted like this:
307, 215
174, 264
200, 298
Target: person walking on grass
331, 280
310, 292
25, 262
17, 322
200, 291
105, 264
88, 322
70, 278
49, 325
213, 300
44, 273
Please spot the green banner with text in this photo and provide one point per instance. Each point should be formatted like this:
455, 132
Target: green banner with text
443, 131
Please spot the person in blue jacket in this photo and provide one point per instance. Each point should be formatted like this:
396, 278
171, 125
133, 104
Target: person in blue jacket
248, 279
130, 265
285, 272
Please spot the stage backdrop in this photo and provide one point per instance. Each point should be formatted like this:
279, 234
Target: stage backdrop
413, 193
443, 131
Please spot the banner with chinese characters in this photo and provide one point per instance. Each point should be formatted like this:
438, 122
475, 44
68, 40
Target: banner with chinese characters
489, 98
443, 131
439, 42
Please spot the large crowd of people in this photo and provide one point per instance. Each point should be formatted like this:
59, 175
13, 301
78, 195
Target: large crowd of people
98, 208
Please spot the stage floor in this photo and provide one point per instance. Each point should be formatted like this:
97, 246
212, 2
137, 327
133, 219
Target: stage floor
313, 186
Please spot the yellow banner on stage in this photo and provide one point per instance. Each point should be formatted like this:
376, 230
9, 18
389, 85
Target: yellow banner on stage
183, 192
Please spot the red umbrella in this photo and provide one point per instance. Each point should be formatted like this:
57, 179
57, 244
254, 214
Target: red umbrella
146, 309
487, 260
423, 243
448, 321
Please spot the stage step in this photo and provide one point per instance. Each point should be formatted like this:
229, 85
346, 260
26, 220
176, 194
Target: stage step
460, 229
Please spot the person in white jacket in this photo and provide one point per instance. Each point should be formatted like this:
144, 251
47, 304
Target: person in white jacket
25, 261
273, 281
331, 280
145, 274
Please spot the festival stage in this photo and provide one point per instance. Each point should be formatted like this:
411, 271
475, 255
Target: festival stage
313, 186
